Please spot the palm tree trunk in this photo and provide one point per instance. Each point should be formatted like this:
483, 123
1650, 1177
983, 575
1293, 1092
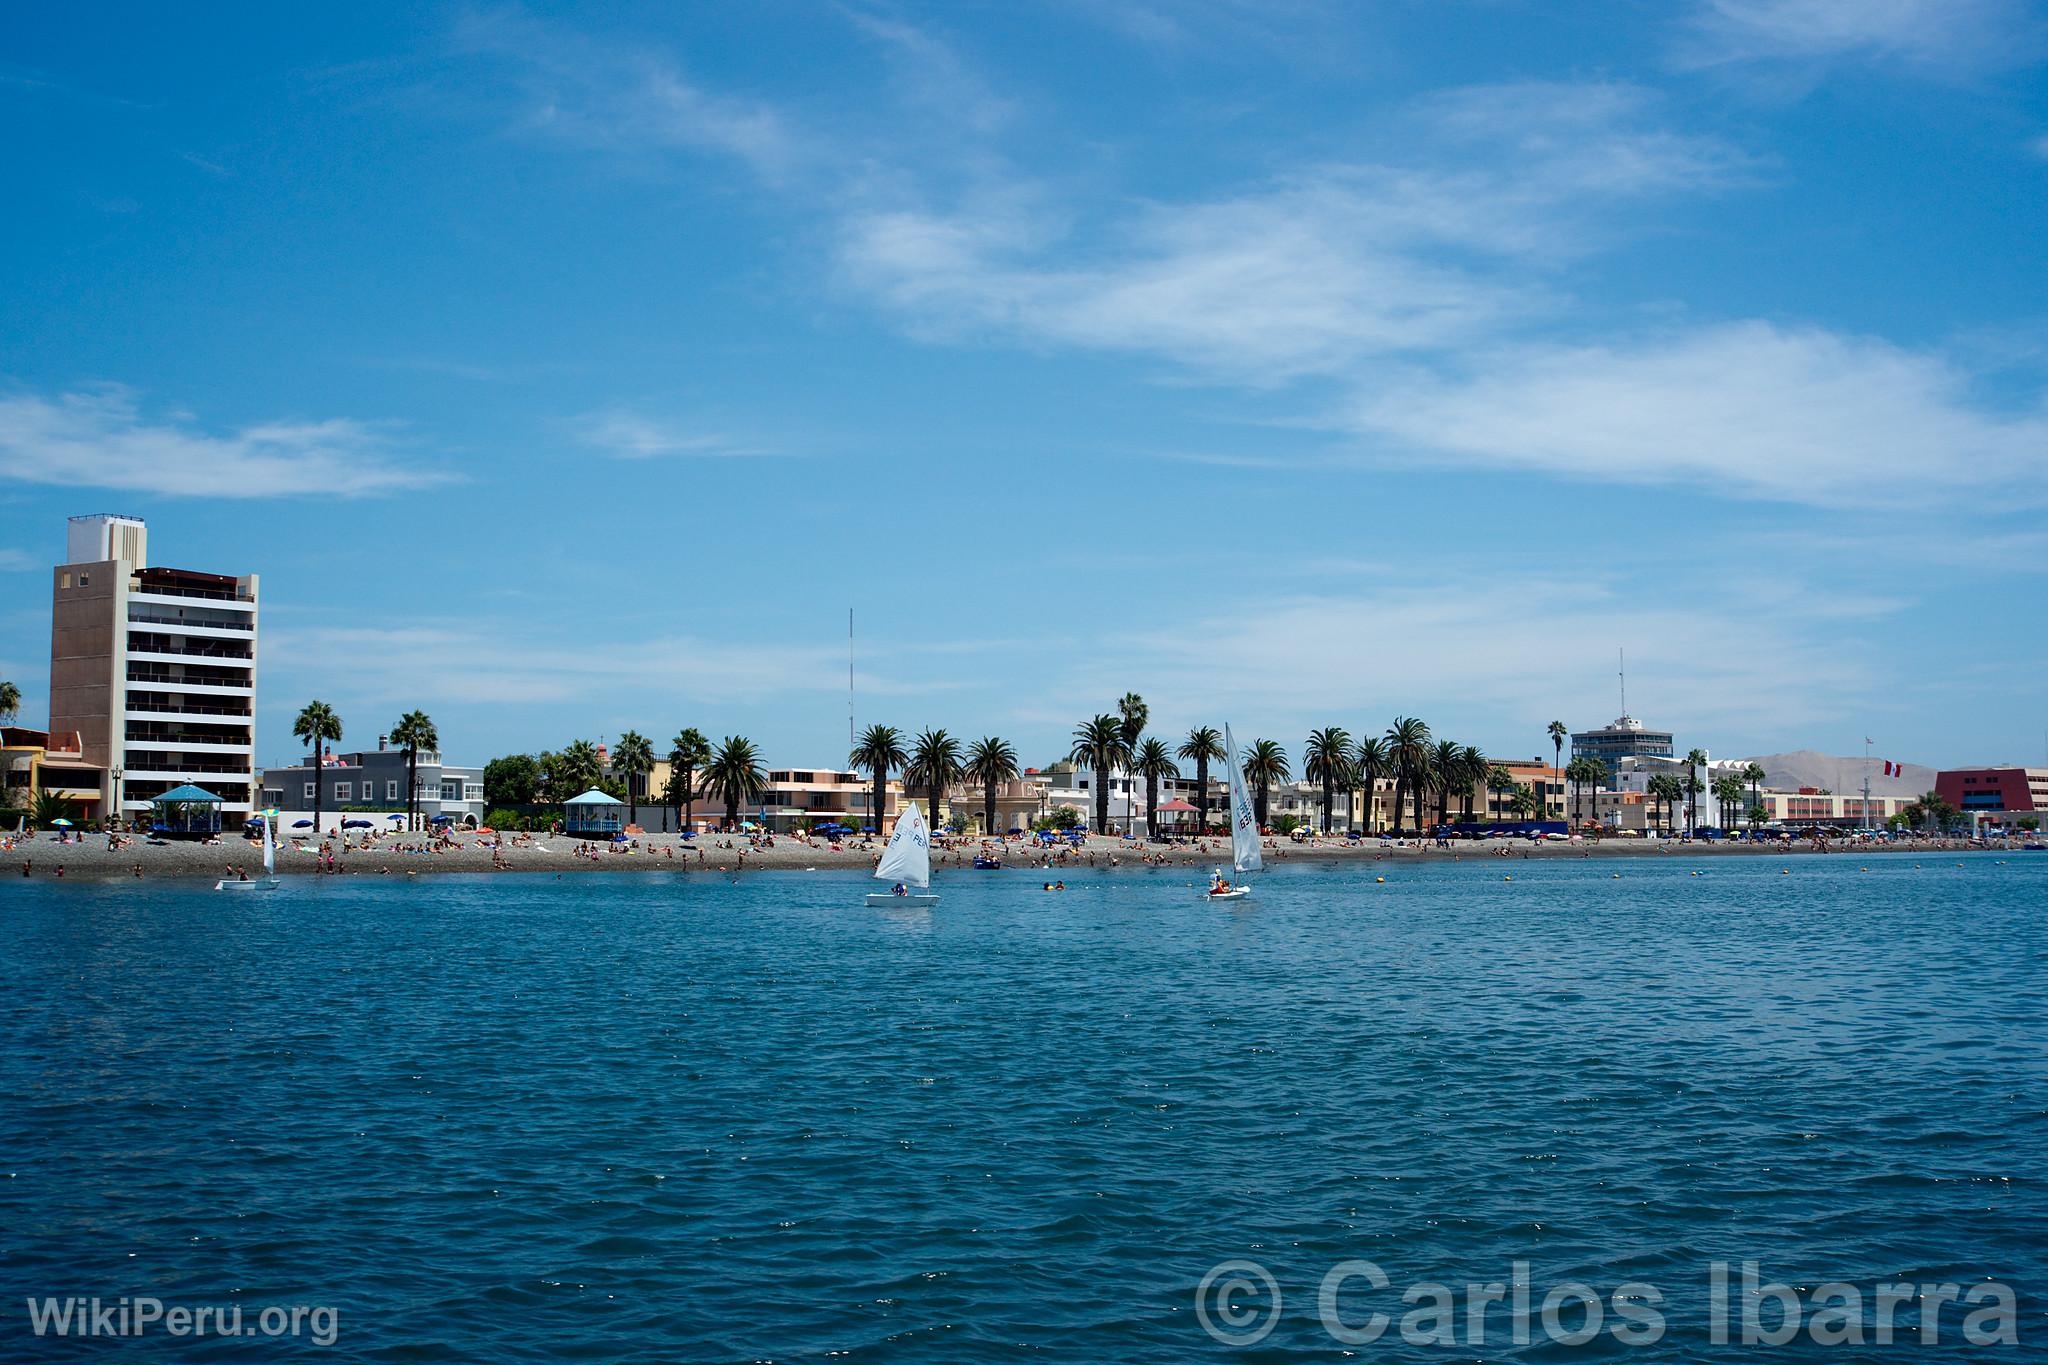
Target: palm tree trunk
1329, 799
1400, 795
1101, 794
1202, 795
932, 802
881, 798
1151, 806
1262, 805
1418, 805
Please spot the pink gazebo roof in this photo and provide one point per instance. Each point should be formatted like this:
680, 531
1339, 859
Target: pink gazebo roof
1177, 807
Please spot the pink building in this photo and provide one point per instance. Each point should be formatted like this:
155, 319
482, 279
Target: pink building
1990, 791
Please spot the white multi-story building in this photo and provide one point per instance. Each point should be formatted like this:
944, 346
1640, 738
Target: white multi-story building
154, 668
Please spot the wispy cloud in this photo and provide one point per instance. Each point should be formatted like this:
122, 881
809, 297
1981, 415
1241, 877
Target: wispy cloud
444, 661
99, 438
17, 561
1801, 416
1931, 37
636, 436
1314, 270
625, 100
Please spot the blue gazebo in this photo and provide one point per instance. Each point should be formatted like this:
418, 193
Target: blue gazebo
186, 810
593, 813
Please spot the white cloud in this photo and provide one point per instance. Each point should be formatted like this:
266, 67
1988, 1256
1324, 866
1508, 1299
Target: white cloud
98, 438
635, 436
1312, 271
1503, 650
455, 663
17, 561
1930, 36
1750, 409
623, 99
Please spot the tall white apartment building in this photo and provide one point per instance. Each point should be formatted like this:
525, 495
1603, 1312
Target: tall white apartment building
154, 668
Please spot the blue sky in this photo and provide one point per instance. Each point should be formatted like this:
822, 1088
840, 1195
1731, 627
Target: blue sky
569, 370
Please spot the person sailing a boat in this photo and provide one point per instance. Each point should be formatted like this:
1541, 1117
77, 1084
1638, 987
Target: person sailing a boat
1218, 883
899, 890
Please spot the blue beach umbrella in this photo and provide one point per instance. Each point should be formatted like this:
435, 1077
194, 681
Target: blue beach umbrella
302, 824
394, 817
355, 824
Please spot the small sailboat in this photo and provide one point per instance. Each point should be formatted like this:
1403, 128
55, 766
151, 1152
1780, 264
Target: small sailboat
1244, 832
907, 861
266, 882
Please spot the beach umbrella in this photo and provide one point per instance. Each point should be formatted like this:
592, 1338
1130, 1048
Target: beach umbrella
355, 824
394, 817
61, 821
1013, 830
296, 824
867, 829
444, 819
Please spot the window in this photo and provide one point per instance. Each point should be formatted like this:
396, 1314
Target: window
341, 791
309, 791
391, 790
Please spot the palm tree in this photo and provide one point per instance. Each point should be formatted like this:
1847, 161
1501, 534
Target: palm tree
991, 762
1132, 713
1583, 773
880, 749
1408, 750
415, 731
1265, 763
736, 774
317, 724
1666, 788
1327, 759
1202, 745
1754, 775
633, 759
1728, 793
1694, 761
1502, 784
935, 766
1525, 803
579, 768
1369, 763
1475, 769
1152, 761
690, 752
1557, 738
1100, 744
1446, 769
10, 701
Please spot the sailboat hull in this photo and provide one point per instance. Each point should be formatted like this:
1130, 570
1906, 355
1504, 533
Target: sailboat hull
253, 884
1235, 893
884, 899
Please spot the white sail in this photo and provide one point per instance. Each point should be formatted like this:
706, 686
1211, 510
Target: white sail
1244, 827
269, 849
908, 858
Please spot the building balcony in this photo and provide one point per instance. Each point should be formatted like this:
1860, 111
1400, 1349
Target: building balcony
217, 630
174, 683
235, 599
162, 767
167, 653
191, 744
147, 707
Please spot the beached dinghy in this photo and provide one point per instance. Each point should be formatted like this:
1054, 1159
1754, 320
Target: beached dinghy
266, 882
1244, 832
907, 861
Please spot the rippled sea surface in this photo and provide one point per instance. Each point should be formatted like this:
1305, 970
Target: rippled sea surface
665, 1118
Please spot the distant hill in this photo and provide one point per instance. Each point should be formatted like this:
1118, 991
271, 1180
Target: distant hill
1807, 768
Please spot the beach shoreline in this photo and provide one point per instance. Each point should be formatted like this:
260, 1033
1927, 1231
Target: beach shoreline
394, 855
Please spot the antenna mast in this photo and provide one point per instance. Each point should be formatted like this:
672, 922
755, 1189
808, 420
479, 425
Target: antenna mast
1624, 680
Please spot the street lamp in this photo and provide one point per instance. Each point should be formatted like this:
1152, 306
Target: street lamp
117, 794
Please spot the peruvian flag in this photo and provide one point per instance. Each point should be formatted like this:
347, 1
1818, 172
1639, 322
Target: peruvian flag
1892, 769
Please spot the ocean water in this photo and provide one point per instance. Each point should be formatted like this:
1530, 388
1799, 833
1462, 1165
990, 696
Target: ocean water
626, 1117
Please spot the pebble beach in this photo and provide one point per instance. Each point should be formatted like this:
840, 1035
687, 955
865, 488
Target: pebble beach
414, 855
